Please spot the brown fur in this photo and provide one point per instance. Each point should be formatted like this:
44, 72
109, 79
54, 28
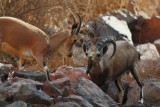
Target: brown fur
104, 71
29, 42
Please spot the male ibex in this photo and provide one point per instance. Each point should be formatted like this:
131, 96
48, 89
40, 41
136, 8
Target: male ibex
108, 63
29, 42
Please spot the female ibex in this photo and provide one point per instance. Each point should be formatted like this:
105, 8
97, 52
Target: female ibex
108, 63
29, 42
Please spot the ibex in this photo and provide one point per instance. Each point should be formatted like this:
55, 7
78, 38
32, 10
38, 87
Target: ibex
29, 42
107, 63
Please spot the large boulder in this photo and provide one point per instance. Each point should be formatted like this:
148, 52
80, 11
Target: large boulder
69, 72
37, 76
66, 104
79, 100
17, 104
93, 94
157, 44
148, 51
25, 90
30, 94
3, 103
23, 104
151, 93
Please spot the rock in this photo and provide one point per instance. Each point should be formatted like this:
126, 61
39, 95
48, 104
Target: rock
158, 47
157, 41
151, 93
68, 91
112, 91
57, 75
79, 100
17, 80
79, 57
68, 71
23, 104
4, 72
30, 94
148, 51
58, 87
51, 90
93, 94
25, 90
37, 76
3, 103
61, 83
66, 104
17, 104
36, 105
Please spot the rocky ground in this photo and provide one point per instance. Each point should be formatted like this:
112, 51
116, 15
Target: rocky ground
71, 87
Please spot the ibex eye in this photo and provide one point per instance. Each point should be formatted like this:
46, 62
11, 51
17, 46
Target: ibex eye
74, 40
98, 55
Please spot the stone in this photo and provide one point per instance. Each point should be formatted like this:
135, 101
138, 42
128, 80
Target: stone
37, 76
3, 103
4, 72
93, 94
79, 100
148, 51
24, 90
151, 93
69, 72
17, 104
30, 94
61, 83
68, 91
66, 104
51, 90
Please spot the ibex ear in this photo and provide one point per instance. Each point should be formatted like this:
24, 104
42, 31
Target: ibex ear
74, 27
104, 50
85, 49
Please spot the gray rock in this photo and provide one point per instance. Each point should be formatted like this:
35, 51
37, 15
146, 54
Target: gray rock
79, 100
3, 103
25, 90
93, 94
17, 104
37, 76
151, 93
4, 72
30, 94
67, 104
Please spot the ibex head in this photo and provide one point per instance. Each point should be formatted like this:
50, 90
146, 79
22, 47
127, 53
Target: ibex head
96, 49
74, 35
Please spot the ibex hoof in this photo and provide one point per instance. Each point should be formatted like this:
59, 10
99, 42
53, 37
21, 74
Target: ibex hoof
142, 103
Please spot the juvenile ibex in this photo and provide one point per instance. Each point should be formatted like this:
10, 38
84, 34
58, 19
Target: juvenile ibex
104, 69
29, 42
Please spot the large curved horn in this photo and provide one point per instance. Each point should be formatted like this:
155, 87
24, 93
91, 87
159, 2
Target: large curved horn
79, 25
74, 18
114, 46
104, 43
